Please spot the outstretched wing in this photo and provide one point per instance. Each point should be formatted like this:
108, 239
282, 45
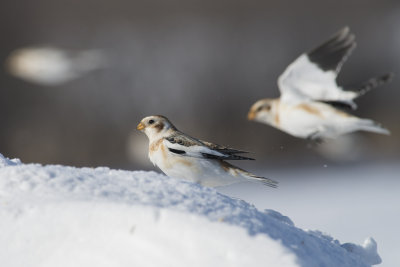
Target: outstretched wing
312, 76
191, 147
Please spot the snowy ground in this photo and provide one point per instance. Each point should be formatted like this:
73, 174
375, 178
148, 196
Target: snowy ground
65, 216
349, 203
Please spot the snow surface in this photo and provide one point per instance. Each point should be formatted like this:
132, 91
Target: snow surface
66, 216
350, 202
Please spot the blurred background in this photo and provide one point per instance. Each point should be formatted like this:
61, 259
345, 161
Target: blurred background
200, 63
77, 76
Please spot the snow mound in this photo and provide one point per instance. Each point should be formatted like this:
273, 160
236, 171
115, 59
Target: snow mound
66, 216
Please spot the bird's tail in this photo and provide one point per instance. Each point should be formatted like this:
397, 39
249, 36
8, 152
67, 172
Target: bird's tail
265, 181
373, 83
236, 171
372, 126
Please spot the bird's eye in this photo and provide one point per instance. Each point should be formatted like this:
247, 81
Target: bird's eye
260, 108
151, 121
268, 107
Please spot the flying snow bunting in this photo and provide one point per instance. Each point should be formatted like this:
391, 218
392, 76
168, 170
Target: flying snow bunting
307, 107
181, 156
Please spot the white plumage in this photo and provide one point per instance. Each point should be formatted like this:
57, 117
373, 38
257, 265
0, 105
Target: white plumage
181, 156
310, 94
303, 80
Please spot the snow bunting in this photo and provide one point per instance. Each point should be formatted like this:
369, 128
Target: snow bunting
307, 107
181, 156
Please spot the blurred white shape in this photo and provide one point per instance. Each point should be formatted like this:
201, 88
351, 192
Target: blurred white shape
53, 66
344, 148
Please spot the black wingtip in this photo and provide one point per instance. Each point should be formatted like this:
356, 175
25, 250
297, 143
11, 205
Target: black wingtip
236, 157
226, 157
228, 150
331, 54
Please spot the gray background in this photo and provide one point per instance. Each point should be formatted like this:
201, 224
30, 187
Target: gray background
200, 63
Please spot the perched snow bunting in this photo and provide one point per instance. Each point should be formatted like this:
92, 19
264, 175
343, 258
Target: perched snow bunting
181, 156
310, 95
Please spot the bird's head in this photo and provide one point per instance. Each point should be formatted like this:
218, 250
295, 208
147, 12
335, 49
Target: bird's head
262, 111
155, 126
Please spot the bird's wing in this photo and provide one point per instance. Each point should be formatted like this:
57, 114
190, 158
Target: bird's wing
223, 149
191, 147
312, 76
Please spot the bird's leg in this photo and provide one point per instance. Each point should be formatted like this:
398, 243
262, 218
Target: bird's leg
314, 139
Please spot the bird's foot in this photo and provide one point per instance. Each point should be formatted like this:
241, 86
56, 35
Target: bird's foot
315, 139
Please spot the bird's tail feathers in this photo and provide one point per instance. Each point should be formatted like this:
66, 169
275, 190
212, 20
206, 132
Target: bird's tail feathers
372, 126
265, 181
373, 83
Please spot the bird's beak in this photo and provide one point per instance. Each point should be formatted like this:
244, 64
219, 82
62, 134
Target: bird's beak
251, 115
140, 126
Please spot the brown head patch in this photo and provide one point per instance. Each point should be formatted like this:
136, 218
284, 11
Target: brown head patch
159, 126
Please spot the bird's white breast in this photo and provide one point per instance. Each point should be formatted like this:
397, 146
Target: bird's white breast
203, 171
307, 118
